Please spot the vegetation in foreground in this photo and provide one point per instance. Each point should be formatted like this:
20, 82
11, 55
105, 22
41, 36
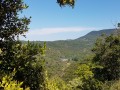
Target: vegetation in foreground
22, 66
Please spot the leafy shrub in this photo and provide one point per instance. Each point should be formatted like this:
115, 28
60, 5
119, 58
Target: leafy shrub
27, 60
85, 79
56, 83
111, 85
107, 55
7, 83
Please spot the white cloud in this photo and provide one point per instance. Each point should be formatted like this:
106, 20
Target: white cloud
49, 31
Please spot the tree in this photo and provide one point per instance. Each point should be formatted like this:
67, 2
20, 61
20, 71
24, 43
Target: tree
15, 55
11, 26
26, 59
29, 64
107, 55
7, 83
85, 79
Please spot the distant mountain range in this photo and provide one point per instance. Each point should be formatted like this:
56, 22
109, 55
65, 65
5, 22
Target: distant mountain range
78, 48
60, 54
74, 49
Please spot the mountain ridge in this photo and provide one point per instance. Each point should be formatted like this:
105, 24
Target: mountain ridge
59, 53
79, 47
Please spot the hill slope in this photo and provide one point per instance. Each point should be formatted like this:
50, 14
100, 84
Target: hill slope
62, 54
72, 49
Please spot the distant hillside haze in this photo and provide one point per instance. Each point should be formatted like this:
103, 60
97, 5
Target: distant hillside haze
60, 53
98, 33
71, 49
77, 48
104, 31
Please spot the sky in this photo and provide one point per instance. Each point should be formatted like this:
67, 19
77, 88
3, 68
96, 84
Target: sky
51, 22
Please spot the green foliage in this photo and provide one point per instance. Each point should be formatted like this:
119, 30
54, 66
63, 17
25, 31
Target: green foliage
107, 55
57, 83
0, 51
26, 59
31, 65
84, 71
11, 26
77, 49
85, 79
80, 84
66, 2
115, 85
7, 83
69, 72
111, 85
10, 23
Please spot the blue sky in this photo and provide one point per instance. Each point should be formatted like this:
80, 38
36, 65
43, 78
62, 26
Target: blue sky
50, 22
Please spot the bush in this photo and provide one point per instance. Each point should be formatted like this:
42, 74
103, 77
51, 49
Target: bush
111, 85
27, 60
107, 55
7, 83
85, 79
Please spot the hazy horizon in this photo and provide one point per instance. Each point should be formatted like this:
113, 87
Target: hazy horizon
50, 22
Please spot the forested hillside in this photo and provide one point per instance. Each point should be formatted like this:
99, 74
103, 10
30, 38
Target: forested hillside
91, 62
60, 54
75, 49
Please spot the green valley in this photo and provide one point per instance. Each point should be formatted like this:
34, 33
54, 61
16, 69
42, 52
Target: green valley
63, 54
